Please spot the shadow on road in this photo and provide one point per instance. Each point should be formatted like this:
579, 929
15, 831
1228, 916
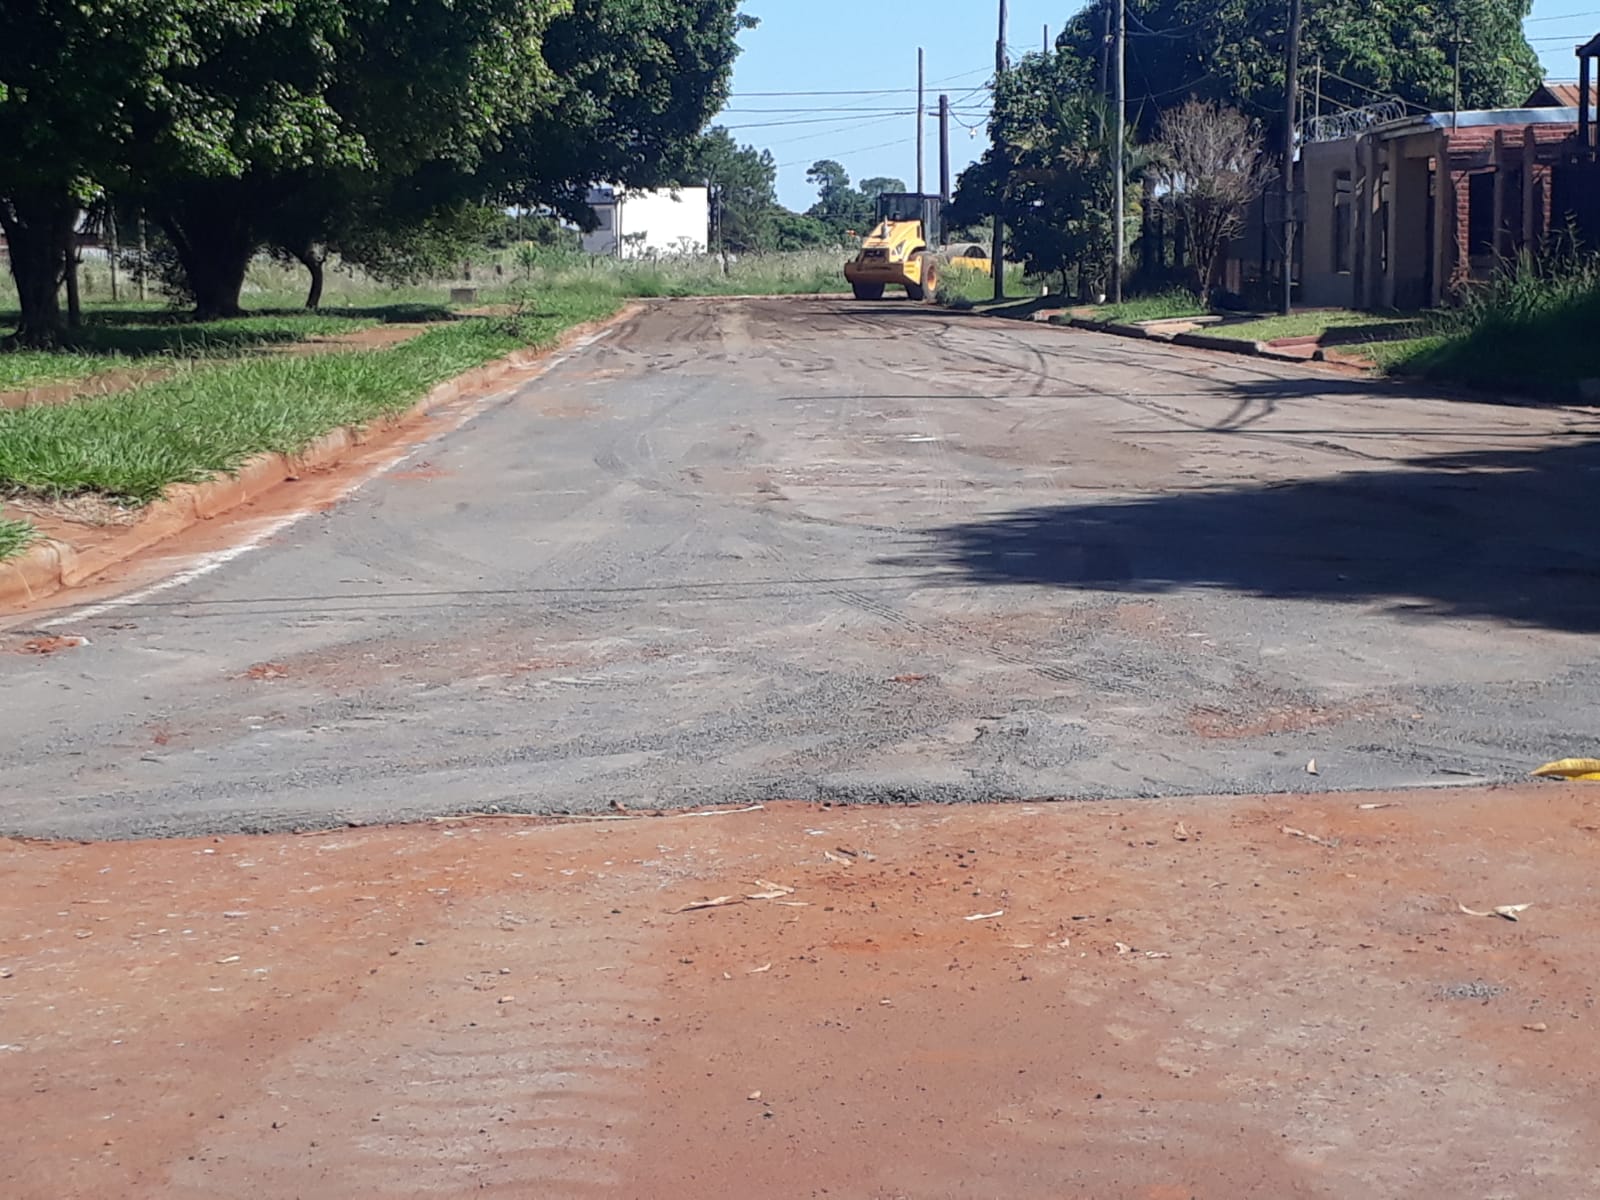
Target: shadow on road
1507, 533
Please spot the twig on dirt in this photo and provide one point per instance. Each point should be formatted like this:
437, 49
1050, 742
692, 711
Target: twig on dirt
838, 858
714, 902
1508, 911
769, 890
999, 912
1310, 837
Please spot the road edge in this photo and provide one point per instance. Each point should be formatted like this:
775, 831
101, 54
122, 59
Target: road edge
50, 566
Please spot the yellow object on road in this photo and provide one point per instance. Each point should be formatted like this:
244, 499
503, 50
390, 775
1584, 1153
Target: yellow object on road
1571, 768
899, 251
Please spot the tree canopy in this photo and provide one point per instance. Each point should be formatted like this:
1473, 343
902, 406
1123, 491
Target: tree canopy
369, 127
1048, 170
1231, 52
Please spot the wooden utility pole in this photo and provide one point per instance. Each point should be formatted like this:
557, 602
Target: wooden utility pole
1119, 136
919, 121
944, 148
997, 247
1291, 75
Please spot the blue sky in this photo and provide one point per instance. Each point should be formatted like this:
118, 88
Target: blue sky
810, 46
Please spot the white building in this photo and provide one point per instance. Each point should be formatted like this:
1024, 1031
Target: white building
636, 223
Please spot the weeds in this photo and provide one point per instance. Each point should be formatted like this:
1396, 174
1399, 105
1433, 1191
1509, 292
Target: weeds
1528, 329
1174, 302
15, 536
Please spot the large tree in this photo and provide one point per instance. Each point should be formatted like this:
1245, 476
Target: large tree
742, 181
1049, 171
839, 206
1231, 52
318, 115
74, 77
633, 84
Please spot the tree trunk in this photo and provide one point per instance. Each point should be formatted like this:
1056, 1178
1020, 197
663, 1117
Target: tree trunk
312, 262
69, 272
35, 226
212, 230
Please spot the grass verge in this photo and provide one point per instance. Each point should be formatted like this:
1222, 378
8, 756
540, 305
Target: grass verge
965, 288
1333, 326
1530, 330
111, 339
1177, 302
209, 418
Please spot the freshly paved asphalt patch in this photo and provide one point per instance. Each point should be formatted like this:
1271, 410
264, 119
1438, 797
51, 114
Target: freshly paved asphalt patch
812, 549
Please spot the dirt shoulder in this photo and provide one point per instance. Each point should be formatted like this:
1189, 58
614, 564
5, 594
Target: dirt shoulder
1155, 1000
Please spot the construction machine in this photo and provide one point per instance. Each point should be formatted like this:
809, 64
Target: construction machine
900, 250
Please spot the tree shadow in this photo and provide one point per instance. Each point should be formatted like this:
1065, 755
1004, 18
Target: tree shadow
1506, 533
163, 333
409, 313
1378, 331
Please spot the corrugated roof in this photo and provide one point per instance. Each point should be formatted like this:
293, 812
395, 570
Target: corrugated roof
1555, 94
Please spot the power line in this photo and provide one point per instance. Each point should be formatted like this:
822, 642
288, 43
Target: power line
904, 112
863, 91
1563, 17
771, 112
811, 137
854, 150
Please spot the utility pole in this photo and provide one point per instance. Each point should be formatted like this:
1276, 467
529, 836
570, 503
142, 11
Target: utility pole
1119, 135
1290, 89
143, 248
944, 148
997, 248
1047, 41
1316, 110
1455, 66
919, 121
111, 258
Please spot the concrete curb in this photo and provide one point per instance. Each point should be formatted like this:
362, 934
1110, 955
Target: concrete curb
1193, 341
49, 566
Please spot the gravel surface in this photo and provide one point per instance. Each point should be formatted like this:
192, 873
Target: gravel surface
812, 549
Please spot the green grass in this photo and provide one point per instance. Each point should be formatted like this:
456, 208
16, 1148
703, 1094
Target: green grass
15, 537
209, 418
1346, 326
112, 338
1399, 356
1178, 302
1530, 330
807, 272
965, 288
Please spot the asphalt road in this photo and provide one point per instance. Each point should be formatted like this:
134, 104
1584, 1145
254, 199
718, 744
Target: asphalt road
811, 549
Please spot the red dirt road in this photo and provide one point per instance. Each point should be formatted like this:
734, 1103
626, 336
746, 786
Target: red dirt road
1176, 999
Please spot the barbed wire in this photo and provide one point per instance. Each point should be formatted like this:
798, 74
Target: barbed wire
1351, 121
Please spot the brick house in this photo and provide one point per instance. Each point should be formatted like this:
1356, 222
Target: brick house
1402, 214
